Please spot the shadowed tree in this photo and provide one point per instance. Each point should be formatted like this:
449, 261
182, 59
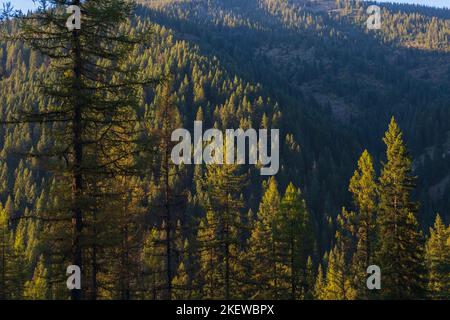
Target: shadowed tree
92, 91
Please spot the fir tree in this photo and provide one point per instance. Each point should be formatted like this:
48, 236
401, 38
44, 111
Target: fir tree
438, 260
338, 284
264, 250
400, 254
19, 265
154, 268
5, 249
170, 198
221, 239
319, 285
296, 239
181, 283
308, 293
93, 92
364, 190
37, 287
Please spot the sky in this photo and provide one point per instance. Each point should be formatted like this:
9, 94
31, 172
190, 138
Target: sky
21, 4
435, 3
28, 4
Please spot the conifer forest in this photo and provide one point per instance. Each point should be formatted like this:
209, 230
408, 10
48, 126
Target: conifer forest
119, 179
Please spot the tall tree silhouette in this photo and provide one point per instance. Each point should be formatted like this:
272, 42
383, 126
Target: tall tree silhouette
92, 93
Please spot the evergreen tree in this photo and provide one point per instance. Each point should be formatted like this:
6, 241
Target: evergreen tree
154, 268
93, 94
319, 285
223, 227
5, 251
309, 280
364, 190
170, 198
181, 283
264, 250
37, 287
128, 199
338, 284
208, 277
296, 238
400, 254
19, 265
438, 260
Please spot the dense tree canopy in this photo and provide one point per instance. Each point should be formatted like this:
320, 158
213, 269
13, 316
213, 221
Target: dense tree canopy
155, 230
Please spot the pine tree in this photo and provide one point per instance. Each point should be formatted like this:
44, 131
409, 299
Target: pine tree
93, 92
400, 253
221, 240
319, 286
12, 260
208, 277
264, 250
338, 284
19, 265
5, 248
154, 268
308, 293
129, 226
364, 190
170, 197
181, 283
37, 287
296, 239
438, 260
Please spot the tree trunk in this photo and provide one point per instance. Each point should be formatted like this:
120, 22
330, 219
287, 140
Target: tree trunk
77, 143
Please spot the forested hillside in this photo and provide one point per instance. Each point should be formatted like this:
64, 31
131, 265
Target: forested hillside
364, 119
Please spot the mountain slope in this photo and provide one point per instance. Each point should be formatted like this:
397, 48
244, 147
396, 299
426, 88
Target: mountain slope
309, 68
341, 82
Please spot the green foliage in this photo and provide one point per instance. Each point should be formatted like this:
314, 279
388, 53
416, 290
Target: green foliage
296, 235
364, 189
37, 287
338, 285
400, 254
438, 260
153, 230
268, 272
221, 231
